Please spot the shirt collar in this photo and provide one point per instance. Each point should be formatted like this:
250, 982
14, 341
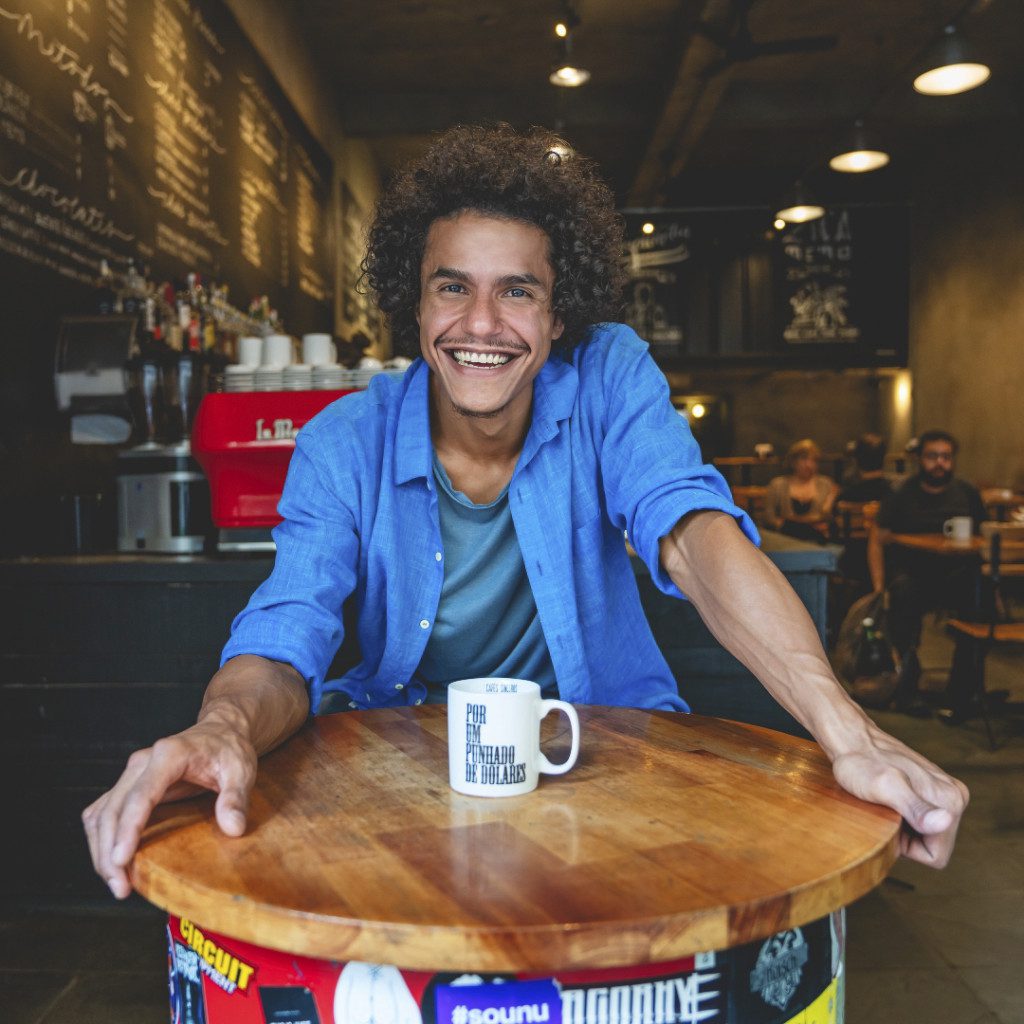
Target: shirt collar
554, 394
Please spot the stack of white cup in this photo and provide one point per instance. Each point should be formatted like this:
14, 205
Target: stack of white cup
277, 354
318, 350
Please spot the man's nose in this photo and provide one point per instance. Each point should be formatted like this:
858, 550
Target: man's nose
483, 318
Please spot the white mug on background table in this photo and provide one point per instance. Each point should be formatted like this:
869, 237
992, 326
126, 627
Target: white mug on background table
494, 736
958, 529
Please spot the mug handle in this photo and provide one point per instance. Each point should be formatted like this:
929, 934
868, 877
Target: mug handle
947, 528
543, 709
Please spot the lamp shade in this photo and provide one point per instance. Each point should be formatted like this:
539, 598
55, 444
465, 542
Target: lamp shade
860, 151
950, 67
799, 206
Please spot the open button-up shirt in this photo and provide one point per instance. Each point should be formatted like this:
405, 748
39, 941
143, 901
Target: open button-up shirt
605, 455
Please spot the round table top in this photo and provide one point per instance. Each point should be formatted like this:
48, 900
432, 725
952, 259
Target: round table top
674, 834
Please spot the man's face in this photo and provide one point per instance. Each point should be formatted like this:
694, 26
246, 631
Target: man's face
485, 314
937, 461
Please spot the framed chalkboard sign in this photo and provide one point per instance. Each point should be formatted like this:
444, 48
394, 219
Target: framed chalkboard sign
152, 131
724, 287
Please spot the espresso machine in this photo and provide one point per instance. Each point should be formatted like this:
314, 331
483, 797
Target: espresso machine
163, 497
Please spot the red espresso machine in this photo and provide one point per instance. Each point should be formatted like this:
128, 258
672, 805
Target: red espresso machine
244, 442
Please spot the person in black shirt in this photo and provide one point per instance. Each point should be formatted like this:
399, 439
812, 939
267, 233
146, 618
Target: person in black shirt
918, 581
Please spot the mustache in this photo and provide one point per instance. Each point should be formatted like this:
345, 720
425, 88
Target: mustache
497, 344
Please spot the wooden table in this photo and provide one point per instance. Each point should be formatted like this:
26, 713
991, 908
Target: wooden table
939, 544
674, 835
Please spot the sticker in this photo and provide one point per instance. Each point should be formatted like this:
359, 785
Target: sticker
373, 994
185, 981
670, 999
291, 1003
776, 978
512, 1002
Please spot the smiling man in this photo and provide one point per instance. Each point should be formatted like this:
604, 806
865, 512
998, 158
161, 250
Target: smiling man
475, 510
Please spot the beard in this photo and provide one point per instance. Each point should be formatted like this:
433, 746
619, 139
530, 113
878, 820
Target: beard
937, 477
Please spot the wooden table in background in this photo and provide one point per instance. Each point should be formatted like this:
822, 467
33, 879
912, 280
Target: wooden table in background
939, 544
673, 836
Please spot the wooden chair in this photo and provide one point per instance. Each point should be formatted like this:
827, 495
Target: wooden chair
1000, 502
854, 519
751, 499
1003, 557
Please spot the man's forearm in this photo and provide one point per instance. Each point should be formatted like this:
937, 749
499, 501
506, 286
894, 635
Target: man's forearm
265, 701
876, 559
754, 613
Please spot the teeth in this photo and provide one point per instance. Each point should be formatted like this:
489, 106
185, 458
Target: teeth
480, 358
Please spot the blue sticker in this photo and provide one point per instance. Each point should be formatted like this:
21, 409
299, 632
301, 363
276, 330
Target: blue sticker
510, 1002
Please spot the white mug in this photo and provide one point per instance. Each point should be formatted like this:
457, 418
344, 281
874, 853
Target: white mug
250, 350
494, 736
958, 529
318, 349
277, 350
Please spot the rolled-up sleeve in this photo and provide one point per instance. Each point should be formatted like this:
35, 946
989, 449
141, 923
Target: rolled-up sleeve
295, 616
651, 464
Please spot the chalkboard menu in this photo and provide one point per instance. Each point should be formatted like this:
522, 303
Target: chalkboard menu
721, 286
151, 130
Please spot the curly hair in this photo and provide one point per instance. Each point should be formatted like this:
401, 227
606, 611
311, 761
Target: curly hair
498, 171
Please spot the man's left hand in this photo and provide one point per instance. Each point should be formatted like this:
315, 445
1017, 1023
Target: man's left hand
885, 771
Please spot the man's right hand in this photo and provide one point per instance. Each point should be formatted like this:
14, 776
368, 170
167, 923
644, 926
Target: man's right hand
209, 755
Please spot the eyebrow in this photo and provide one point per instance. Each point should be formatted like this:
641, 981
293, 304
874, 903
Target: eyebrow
507, 281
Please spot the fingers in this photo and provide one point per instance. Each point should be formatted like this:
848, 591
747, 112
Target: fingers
173, 767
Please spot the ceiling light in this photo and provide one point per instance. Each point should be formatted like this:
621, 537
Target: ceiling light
569, 75
778, 224
647, 228
698, 411
799, 206
859, 152
561, 30
949, 68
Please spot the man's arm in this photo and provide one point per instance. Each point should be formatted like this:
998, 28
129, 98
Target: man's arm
251, 706
754, 613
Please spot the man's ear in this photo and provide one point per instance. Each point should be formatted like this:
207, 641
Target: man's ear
558, 329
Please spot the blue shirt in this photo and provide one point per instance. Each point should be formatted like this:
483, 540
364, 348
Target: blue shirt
486, 623
605, 454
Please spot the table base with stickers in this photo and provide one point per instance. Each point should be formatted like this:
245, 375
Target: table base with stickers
688, 869
792, 977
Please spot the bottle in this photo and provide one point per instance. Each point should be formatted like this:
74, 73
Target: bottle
873, 654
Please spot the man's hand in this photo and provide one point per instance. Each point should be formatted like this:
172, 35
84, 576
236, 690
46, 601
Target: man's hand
251, 705
931, 802
206, 756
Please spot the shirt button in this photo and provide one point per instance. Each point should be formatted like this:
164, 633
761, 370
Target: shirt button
352, 704
399, 686
424, 624
420, 701
437, 556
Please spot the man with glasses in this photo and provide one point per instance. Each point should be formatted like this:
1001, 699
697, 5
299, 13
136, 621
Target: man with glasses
918, 581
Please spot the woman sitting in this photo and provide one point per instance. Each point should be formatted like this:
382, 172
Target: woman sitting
799, 504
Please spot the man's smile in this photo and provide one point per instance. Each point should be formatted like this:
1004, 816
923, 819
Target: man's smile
488, 360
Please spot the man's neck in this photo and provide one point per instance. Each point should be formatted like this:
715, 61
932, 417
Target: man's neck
479, 453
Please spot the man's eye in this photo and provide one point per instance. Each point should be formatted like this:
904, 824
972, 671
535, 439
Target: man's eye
453, 288
518, 293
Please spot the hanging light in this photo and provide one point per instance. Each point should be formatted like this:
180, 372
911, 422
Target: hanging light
567, 73
949, 67
860, 152
778, 224
569, 76
799, 206
647, 227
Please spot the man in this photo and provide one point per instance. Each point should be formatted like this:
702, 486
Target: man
919, 582
516, 452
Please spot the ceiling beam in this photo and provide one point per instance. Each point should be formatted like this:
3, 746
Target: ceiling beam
691, 101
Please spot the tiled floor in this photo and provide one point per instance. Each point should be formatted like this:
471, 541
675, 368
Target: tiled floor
926, 948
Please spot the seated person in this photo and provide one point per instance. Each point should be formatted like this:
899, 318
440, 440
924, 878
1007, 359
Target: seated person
919, 581
799, 504
869, 482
